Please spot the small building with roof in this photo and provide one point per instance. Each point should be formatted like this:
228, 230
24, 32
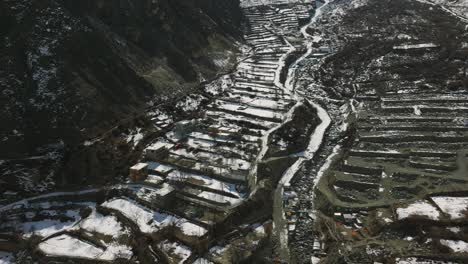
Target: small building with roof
139, 172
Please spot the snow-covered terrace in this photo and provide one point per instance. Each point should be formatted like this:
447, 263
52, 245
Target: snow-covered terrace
250, 111
212, 146
150, 221
206, 182
233, 163
68, 246
240, 118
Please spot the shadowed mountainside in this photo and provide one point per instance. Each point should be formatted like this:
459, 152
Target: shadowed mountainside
72, 69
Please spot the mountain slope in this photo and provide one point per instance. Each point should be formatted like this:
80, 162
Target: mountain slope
71, 69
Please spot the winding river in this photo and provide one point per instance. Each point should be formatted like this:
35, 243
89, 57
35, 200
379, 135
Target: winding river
316, 139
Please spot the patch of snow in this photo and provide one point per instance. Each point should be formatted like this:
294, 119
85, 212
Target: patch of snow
107, 225
205, 181
147, 192
6, 258
175, 249
219, 85
260, 230
202, 261
419, 208
190, 229
65, 245
417, 110
232, 163
88, 143
415, 46
456, 246
154, 179
218, 250
457, 8
250, 110
25, 202
135, 136
414, 260
454, 229
191, 103
46, 227
404, 36
219, 198
315, 260
455, 207
221, 62
150, 221
116, 251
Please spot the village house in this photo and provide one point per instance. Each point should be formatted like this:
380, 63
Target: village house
157, 151
139, 172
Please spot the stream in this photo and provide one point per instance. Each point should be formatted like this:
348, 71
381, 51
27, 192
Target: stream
316, 139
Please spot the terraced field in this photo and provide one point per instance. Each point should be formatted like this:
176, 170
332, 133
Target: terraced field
405, 162
401, 159
406, 144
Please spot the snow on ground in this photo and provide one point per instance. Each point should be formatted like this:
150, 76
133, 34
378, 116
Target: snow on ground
358, 3
415, 46
65, 245
454, 229
147, 193
107, 225
221, 171
150, 221
223, 115
28, 201
201, 143
250, 110
115, 251
199, 135
156, 166
202, 261
218, 250
218, 198
456, 207
221, 62
263, 102
315, 260
457, 246
7, 258
260, 230
205, 181
135, 136
413, 260
190, 229
233, 163
219, 86
44, 227
417, 110
457, 8
154, 179
175, 249
191, 103
419, 208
